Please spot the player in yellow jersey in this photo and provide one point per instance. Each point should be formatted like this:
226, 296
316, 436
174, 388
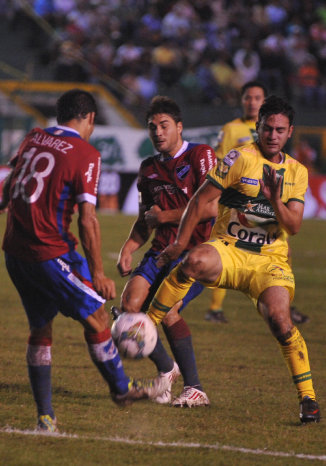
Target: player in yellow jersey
234, 134
260, 190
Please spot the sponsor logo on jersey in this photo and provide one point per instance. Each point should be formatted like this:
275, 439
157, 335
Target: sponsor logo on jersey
249, 235
249, 180
182, 171
89, 172
64, 267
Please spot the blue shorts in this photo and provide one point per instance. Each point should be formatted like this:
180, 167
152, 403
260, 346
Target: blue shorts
147, 268
62, 284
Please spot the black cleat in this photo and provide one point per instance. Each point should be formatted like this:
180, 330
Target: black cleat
297, 317
309, 410
216, 316
116, 312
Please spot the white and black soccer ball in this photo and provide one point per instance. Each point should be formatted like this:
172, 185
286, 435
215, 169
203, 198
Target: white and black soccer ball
134, 334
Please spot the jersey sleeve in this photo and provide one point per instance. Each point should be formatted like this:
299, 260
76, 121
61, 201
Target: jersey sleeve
87, 176
227, 170
299, 189
203, 161
144, 195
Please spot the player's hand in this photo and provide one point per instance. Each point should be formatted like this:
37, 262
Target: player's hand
124, 265
152, 216
105, 287
271, 184
170, 253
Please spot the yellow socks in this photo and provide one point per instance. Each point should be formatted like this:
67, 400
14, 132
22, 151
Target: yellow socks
295, 353
218, 295
173, 289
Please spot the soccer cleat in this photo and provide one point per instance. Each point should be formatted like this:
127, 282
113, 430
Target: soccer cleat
171, 376
297, 316
216, 316
309, 410
141, 390
115, 312
47, 424
191, 397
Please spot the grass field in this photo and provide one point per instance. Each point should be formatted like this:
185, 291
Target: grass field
253, 418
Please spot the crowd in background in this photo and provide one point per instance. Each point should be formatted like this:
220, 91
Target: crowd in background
206, 48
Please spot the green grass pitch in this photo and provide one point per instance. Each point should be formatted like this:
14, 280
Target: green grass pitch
253, 418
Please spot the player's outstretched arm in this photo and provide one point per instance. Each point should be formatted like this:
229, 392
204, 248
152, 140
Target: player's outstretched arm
206, 194
139, 234
90, 236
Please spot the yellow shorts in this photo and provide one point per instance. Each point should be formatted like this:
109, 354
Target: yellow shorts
249, 272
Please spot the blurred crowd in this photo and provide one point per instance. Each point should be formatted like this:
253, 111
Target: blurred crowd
206, 48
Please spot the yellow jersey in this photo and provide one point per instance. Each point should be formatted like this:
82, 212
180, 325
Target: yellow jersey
246, 218
234, 134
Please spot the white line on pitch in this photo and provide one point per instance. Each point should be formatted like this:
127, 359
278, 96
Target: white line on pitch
217, 446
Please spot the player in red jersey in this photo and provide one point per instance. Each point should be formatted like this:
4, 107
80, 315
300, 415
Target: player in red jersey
166, 182
54, 169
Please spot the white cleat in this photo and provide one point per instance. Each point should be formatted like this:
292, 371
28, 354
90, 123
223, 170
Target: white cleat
170, 377
191, 397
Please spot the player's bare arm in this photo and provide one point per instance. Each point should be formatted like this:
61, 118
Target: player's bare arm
155, 216
289, 215
5, 191
90, 236
206, 194
139, 235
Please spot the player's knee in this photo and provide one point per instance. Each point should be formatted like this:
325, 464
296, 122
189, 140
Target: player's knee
131, 303
279, 321
194, 264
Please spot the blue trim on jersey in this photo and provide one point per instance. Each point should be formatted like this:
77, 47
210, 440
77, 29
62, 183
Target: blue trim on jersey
191, 145
60, 211
64, 133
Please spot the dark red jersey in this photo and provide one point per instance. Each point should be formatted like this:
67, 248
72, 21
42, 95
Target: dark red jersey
170, 183
53, 170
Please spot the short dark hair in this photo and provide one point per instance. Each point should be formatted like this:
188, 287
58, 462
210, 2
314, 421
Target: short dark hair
163, 104
75, 103
250, 84
274, 105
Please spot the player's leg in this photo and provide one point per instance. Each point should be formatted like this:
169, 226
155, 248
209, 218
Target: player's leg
40, 312
215, 312
202, 263
134, 295
296, 316
179, 337
274, 305
39, 363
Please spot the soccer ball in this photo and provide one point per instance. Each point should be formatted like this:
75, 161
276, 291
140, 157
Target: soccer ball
134, 334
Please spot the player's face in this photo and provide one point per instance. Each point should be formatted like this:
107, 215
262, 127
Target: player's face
273, 133
251, 101
165, 134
